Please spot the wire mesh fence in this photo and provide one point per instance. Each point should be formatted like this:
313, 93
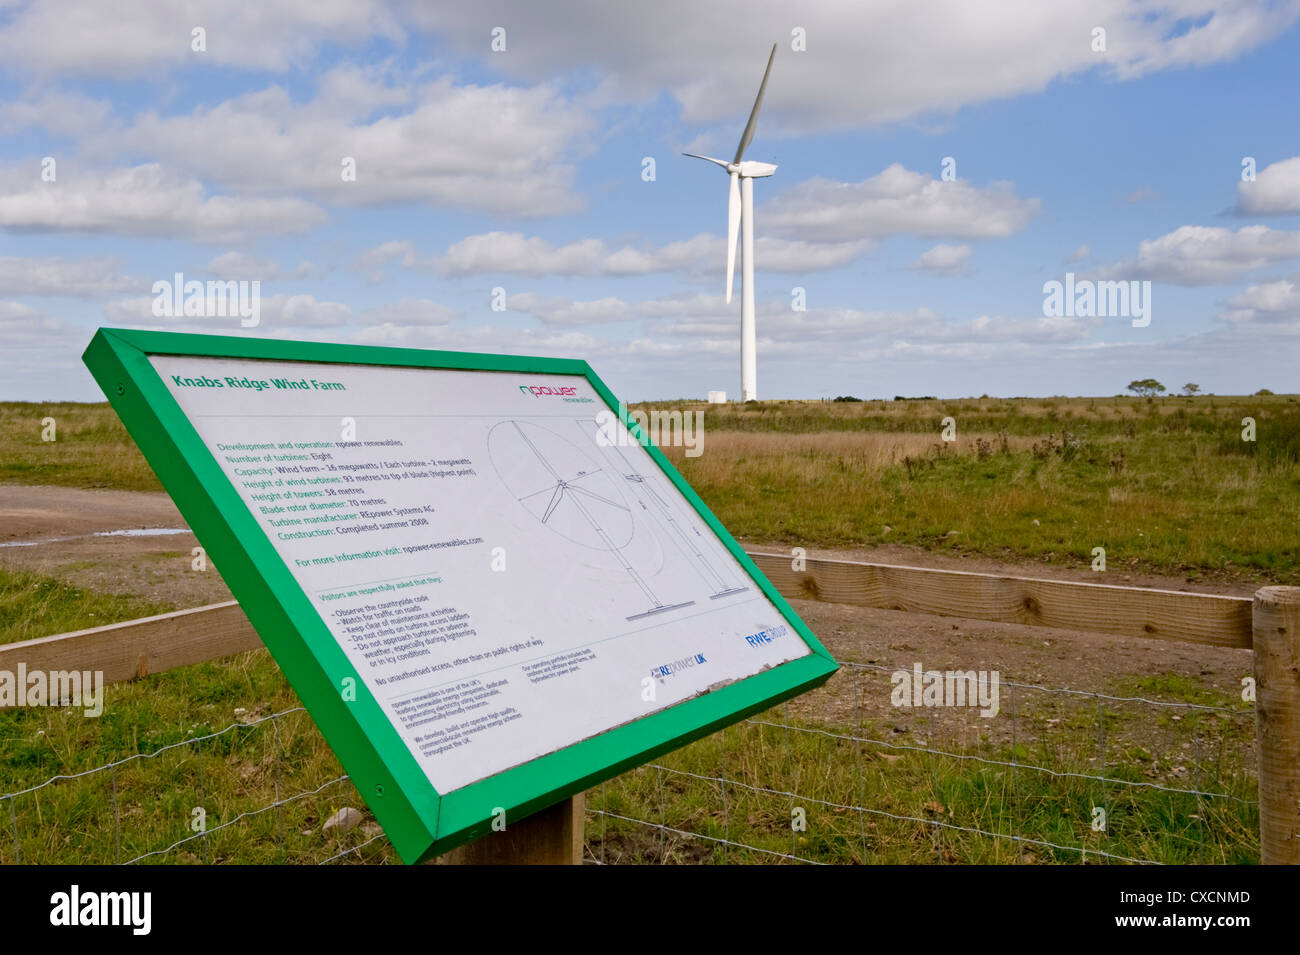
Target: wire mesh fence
256, 790
843, 775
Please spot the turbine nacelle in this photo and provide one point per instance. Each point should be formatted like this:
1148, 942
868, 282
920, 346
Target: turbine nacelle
750, 169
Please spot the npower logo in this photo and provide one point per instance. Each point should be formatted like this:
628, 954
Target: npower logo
542, 391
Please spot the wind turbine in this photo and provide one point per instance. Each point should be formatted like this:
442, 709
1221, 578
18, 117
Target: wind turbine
740, 207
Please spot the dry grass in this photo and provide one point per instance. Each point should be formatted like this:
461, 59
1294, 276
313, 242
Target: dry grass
863, 451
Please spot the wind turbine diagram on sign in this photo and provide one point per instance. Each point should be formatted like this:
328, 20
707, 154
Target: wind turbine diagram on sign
740, 208
570, 495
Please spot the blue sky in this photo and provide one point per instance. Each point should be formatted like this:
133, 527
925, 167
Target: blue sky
521, 169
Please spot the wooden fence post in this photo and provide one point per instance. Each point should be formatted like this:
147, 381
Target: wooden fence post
1276, 631
550, 837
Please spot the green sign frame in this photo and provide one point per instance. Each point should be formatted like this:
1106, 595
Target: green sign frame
420, 822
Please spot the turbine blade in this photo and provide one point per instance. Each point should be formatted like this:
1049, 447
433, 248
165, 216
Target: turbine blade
753, 116
719, 162
733, 227
595, 496
555, 500
546, 464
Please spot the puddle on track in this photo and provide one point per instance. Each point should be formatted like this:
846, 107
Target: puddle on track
133, 532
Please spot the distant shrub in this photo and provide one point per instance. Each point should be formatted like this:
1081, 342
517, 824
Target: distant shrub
1068, 447
1146, 386
846, 398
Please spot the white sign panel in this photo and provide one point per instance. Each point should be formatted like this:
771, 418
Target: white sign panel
506, 567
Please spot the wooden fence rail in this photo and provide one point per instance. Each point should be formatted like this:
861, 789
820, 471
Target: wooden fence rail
1269, 624
1094, 608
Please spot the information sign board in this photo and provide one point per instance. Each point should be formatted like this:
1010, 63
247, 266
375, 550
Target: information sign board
489, 591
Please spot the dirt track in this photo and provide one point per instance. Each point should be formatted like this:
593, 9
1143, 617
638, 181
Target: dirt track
154, 567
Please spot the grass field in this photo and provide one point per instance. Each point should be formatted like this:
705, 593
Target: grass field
1163, 484
247, 763
1166, 485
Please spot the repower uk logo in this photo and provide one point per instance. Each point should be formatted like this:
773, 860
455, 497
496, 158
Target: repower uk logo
662, 673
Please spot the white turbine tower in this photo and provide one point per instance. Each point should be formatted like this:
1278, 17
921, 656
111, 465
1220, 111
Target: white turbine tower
740, 207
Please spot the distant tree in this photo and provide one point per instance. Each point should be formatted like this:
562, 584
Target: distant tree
1190, 390
847, 398
1262, 392
1146, 386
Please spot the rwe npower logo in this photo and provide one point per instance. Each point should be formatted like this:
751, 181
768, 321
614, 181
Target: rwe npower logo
549, 391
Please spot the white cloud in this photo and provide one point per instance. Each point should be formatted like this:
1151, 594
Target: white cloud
305, 310
81, 278
16, 315
410, 311
523, 255
972, 53
296, 312
1275, 191
1269, 302
612, 310
1207, 255
796, 255
60, 112
897, 201
396, 250
515, 253
492, 148
853, 328
145, 201
944, 260
998, 328
565, 343
1081, 254
42, 354
275, 311
240, 265
1141, 194
864, 64
708, 323
562, 311
149, 37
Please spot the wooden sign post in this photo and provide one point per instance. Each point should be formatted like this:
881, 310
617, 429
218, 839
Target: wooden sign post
1277, 722
551, 837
